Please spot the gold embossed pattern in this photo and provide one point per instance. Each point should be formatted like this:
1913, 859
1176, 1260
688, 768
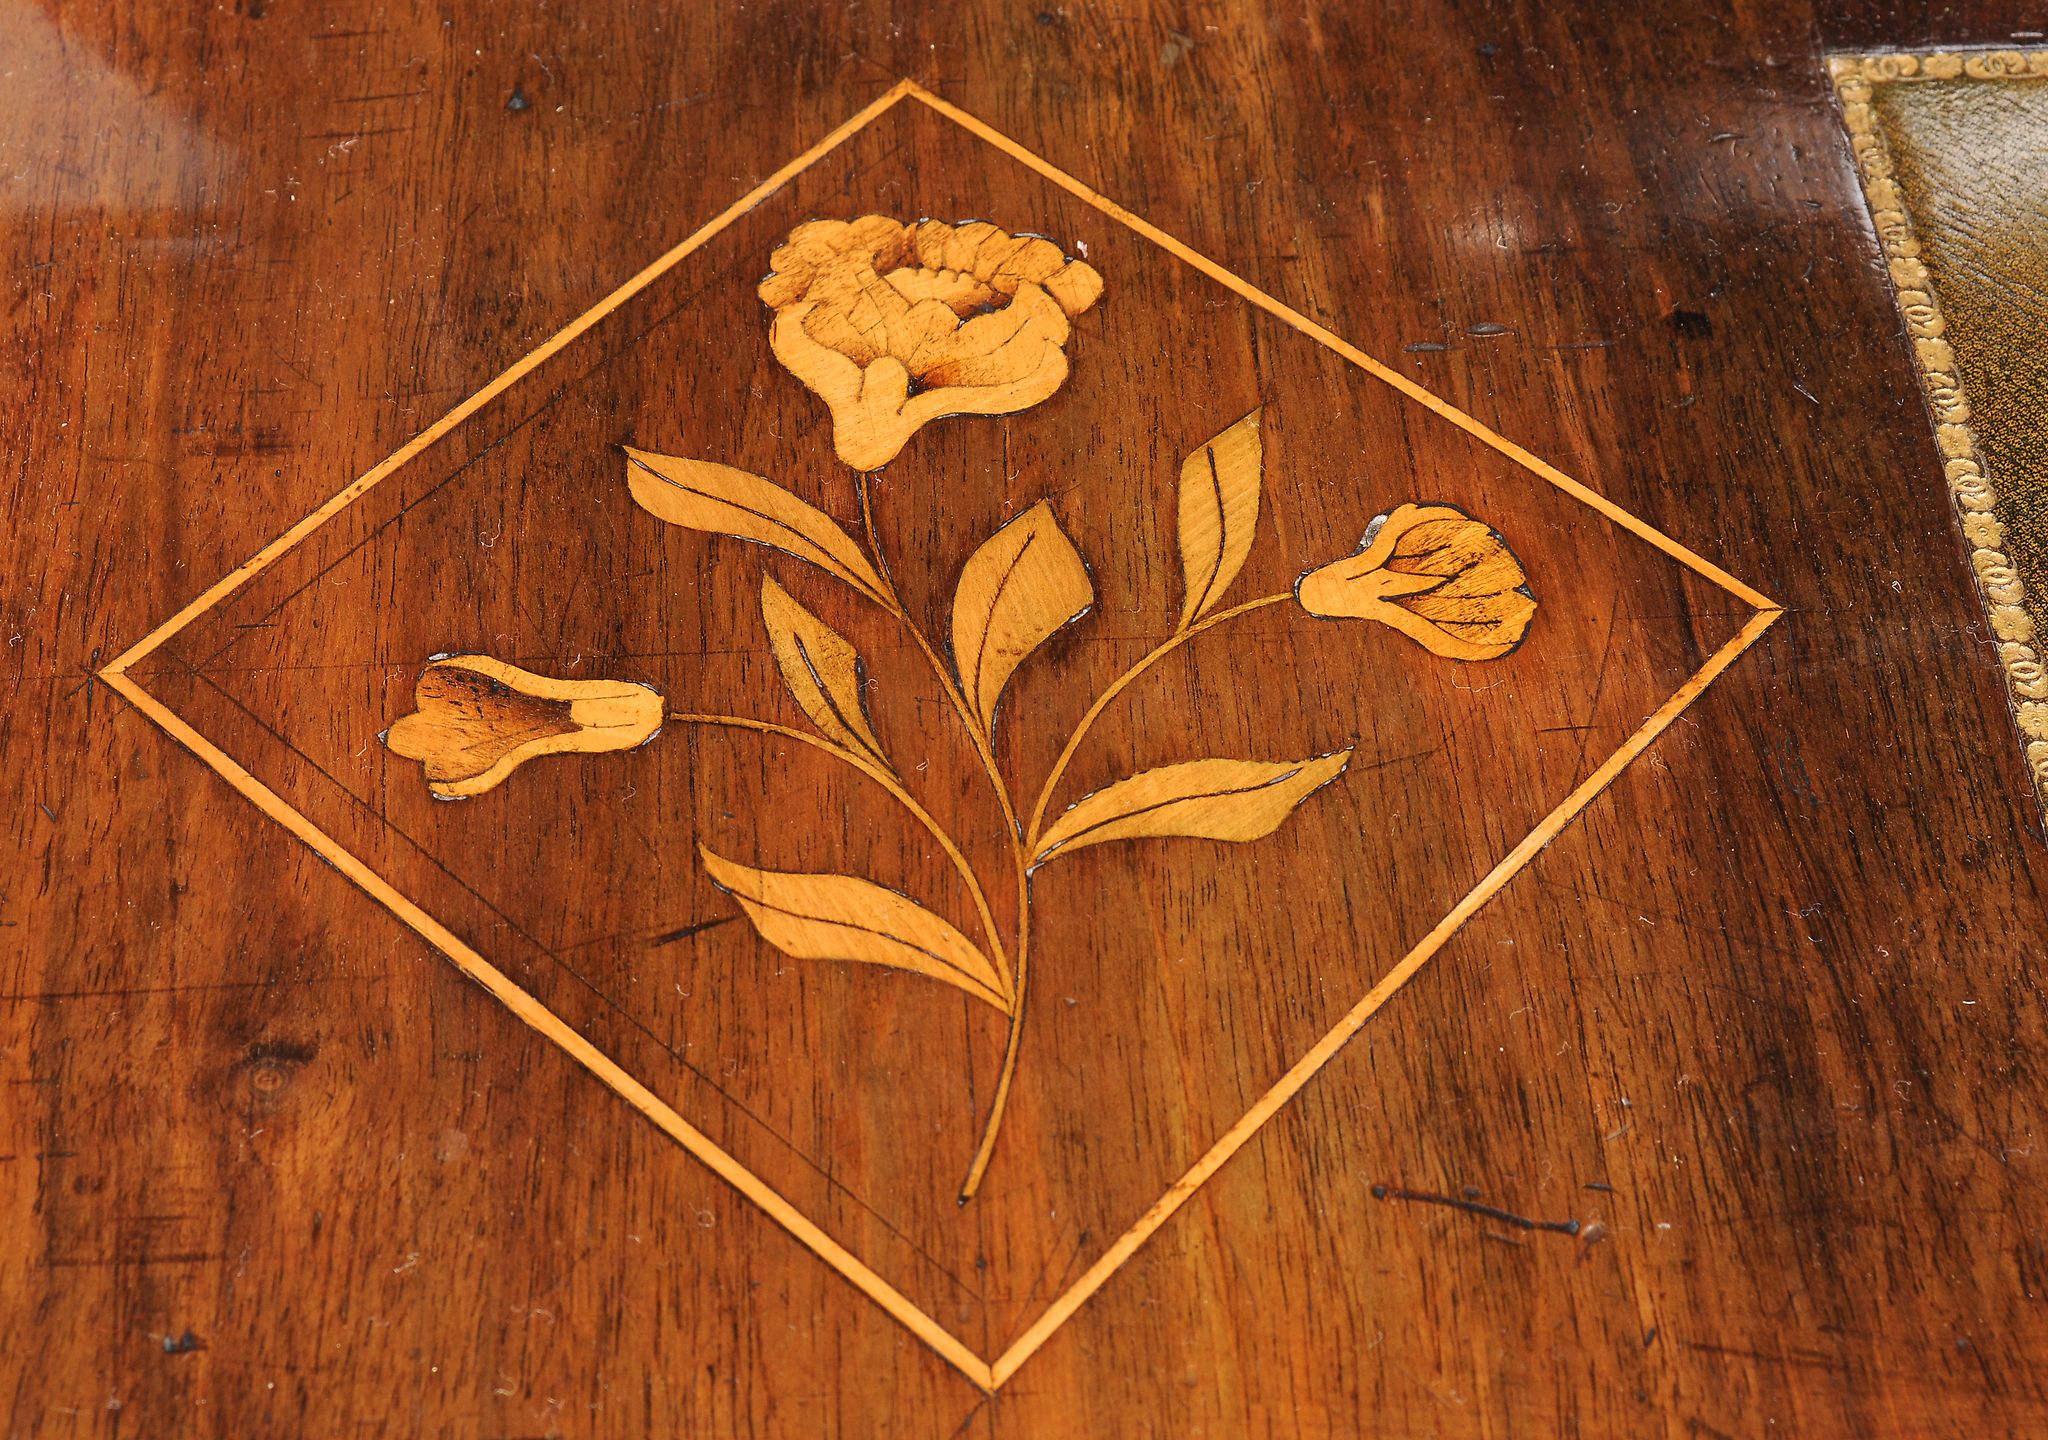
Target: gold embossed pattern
1953, 150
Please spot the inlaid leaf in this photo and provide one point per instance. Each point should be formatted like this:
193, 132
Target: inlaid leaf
822, 670
1219, 513
704, 495
1024, 583
1204, 799
839, 917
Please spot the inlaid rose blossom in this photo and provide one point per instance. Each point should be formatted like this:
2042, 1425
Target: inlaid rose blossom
894, 325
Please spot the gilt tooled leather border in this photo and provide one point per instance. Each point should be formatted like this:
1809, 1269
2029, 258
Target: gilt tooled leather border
1986, 522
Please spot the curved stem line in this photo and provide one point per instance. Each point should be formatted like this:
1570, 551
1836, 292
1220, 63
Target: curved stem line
1116, 688
902, 797
940, 669
1027, 842
986, 1149
1019, 851
982, 747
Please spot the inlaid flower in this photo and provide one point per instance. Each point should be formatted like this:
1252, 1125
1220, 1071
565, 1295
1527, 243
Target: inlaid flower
894, 325
479, 719
1443, 579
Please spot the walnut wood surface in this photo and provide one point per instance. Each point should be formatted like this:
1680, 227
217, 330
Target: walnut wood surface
1766, 1021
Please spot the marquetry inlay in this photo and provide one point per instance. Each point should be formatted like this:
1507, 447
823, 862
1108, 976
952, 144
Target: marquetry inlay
1125, 687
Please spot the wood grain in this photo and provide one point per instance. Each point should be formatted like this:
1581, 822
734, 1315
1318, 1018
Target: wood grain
1760, 1020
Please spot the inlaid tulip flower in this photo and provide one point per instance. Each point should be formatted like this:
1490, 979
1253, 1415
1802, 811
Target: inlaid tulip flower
1445, 580
479, 719
896, 324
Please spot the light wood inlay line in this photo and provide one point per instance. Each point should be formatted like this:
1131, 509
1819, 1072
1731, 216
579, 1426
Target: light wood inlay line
552, 1026
1340, 1034
362, 485
354, 491
985, 1374
1356, 356
1231, 510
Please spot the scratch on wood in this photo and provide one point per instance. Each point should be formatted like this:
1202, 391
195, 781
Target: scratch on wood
1474, 1207
688, 930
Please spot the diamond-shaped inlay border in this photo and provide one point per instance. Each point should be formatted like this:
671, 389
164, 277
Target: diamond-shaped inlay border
986, 1373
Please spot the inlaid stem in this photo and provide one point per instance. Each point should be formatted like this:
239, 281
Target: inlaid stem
1116, 688
902, 797
1020, 852
994, 1124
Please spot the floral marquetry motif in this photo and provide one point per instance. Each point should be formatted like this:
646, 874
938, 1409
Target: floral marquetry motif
1431, 572
933, 742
